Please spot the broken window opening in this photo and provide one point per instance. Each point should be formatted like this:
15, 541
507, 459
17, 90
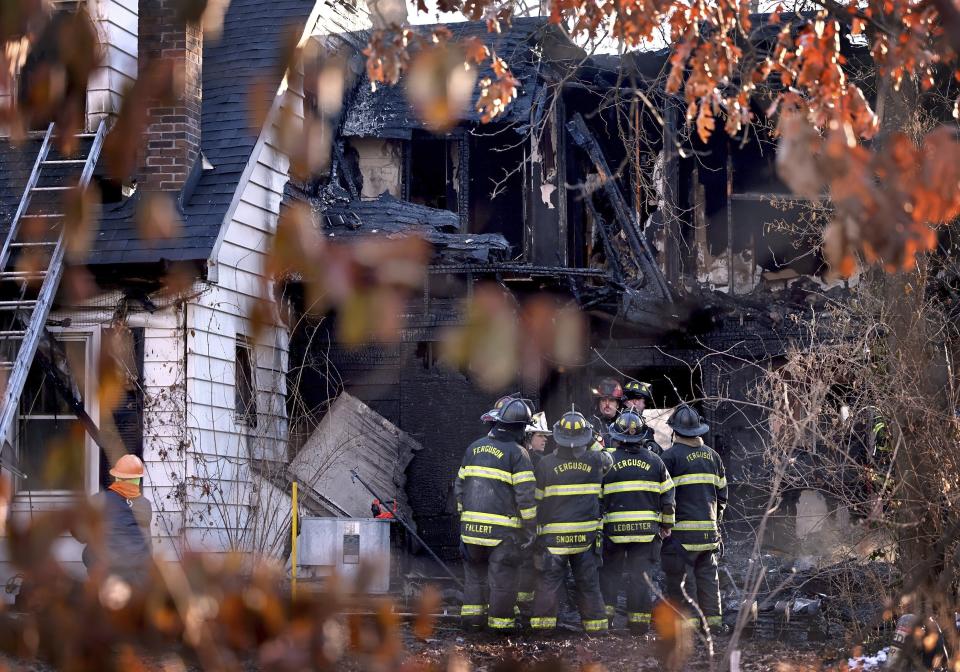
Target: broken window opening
496, 195
245, 388
427, 354
434, 170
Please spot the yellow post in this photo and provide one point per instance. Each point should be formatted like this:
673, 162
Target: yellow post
293, 546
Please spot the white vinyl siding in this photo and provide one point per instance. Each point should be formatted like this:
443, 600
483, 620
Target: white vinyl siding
116, 24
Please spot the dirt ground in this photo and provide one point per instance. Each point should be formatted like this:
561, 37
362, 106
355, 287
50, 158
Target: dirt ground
615, 652
449, 650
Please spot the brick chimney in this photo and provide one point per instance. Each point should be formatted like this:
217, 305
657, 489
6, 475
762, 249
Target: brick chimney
172, 142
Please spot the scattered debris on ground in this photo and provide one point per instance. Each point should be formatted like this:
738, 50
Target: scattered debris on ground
866, 663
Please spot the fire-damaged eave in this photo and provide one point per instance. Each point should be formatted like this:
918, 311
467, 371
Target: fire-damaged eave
389, 216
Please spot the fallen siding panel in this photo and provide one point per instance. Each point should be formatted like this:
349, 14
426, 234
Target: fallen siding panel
352, 435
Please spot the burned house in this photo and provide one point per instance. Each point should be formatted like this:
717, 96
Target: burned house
581, 192
688, 258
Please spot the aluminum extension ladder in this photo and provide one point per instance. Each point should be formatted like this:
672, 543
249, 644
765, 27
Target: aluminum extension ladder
37, 230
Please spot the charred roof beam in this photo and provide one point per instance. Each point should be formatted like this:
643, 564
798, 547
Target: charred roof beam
653, 279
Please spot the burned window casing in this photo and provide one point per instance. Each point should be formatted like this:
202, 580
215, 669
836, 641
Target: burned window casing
433, 171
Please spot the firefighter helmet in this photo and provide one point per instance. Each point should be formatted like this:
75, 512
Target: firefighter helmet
628, 428
493, 413
514, 412
573, 430
634, 389
538, 424
685, 421
608, 387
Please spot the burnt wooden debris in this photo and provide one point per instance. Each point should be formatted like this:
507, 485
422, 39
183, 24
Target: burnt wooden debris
641, 260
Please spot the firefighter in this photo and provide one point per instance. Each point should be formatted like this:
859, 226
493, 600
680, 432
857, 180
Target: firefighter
609, 395
495, 498
638, 511
568, 515
537, 434
637, 397
701, 496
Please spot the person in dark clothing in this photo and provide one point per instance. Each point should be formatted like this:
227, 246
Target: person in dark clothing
609, 395
537, 435
638, 510
638, 396
568, 516
495, 498
125, 549
701, 496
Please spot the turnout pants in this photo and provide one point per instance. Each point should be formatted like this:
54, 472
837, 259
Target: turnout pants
704, 571
588, 596
639, 560
489, 586
526, 585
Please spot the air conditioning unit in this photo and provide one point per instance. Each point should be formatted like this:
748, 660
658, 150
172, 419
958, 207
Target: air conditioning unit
343, 546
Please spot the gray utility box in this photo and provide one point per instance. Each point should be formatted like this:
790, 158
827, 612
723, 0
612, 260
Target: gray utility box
341, 546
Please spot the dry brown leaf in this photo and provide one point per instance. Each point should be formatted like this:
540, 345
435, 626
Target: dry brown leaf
428, 604
156, 85
796, 158
439, 85
157, 217
80, 222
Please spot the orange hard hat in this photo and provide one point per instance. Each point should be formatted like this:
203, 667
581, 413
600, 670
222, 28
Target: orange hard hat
128, 466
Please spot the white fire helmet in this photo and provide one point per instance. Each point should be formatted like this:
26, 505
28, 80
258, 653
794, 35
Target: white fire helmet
538, 424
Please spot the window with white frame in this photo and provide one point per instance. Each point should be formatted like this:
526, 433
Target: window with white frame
53, 449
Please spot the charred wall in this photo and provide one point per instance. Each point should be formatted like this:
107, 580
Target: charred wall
440, 407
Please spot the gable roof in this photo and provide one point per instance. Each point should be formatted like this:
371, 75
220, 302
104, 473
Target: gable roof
248, 51
385, 112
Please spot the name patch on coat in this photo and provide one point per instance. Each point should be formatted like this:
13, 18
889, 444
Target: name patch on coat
632, 462
496, 452
570, 466
698, 455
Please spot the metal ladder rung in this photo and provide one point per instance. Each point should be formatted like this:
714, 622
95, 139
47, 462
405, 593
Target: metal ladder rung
7, 334
45, 215
50, 188
13, 305
6, 365
39, 243
17, 275
62, 162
